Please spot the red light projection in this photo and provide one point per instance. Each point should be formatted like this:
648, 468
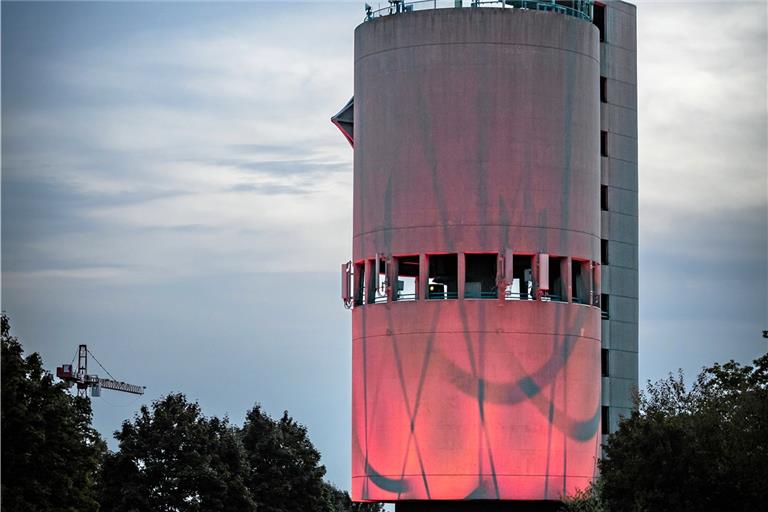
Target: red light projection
476, 137
478, 407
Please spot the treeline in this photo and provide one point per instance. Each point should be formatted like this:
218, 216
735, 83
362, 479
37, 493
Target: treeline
170, 457
682, 449
689, 448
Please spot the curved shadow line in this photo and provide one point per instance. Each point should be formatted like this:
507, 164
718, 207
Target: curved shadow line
528, 388
584, 430
398, 485
508, 393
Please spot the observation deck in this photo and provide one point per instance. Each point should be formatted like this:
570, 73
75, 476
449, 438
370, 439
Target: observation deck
578, 8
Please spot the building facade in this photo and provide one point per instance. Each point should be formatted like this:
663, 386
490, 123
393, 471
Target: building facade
493, 284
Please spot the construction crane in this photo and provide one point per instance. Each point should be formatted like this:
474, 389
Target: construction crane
83, 380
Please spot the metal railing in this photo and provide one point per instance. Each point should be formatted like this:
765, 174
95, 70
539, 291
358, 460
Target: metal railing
446, 295
578, 8
442, 295
490, 294
508, 295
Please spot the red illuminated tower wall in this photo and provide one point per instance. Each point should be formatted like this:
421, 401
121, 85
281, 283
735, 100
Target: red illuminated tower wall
475, 279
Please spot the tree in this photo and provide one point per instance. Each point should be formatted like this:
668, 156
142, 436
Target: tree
700, 449
285, 470
50, 451
585, 500
341, 502
172, 458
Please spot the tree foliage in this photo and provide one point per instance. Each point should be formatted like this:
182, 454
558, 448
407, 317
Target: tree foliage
585, 500
286, 474
172, 458
341, 502
699, 449
50, 452
285, 468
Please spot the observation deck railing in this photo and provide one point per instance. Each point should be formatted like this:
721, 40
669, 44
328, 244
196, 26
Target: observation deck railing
487, 294
554, 298
578, 8
442, 295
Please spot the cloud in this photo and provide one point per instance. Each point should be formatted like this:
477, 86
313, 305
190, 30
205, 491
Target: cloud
702, 106
703, 183
179, 138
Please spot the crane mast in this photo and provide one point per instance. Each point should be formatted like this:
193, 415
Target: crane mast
84, 381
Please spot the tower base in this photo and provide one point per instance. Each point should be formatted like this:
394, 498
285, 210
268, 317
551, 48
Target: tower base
477, 506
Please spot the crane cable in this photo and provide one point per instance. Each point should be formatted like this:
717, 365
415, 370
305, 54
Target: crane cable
102, 366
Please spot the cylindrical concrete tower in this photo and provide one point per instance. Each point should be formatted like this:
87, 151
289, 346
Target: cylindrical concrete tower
475, 279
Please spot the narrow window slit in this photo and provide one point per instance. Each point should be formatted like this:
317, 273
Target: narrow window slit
359, 277
556, 291
580, 281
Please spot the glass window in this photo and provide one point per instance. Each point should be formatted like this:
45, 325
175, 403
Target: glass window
598, 18
603, 89
580, 281
480, 276
604, 143
605, 420
443, 275
380, 281
605, 305
596, 274
407, 284
359, 276
557, 267
521, 287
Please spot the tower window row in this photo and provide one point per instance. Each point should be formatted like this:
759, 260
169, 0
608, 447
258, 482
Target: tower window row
451, 276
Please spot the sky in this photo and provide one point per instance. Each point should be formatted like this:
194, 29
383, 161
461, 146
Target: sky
174, 195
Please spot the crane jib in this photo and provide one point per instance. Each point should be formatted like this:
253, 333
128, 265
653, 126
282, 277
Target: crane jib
121, 386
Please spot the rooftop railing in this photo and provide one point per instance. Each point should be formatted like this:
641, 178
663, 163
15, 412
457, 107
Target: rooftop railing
577, 8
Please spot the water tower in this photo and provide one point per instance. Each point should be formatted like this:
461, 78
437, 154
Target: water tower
493, 282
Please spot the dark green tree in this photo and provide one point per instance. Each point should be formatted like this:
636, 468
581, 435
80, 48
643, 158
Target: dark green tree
50, 451
585, 500
689, 450
285, 470
172, 458
286, 473
340, 501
